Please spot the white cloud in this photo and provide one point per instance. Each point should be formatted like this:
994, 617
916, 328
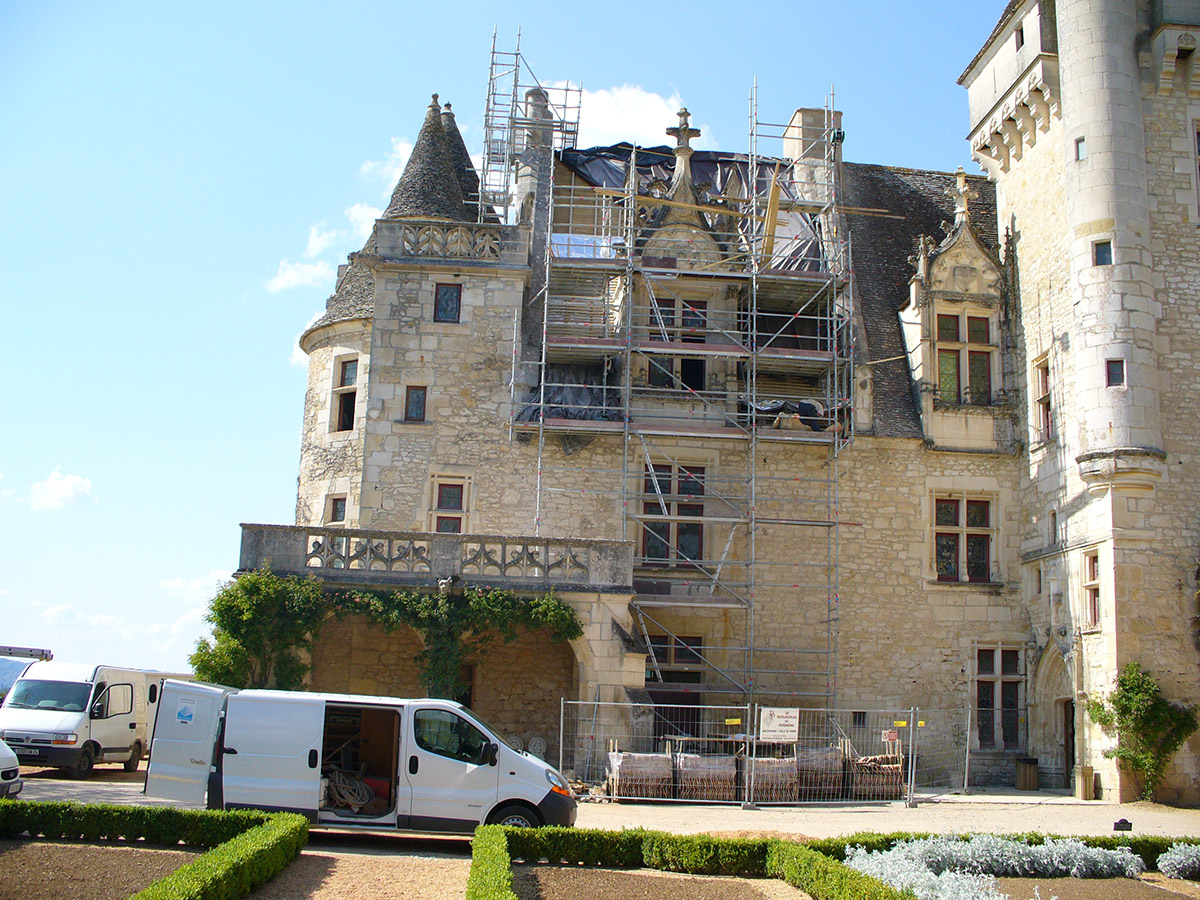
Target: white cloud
391, 167
59, 613
291, 275
199, 590
319, 241
631, 113
362, 217
59, 490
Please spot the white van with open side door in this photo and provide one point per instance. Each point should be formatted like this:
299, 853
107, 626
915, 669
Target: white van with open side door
344, 760
72, 716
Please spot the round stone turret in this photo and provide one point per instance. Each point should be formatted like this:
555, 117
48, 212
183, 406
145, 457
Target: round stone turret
1113, 352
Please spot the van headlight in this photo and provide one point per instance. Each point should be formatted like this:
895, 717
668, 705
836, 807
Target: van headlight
558, 784
64, 738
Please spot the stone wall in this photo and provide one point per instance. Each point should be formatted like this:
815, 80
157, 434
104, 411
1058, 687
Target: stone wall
517, 686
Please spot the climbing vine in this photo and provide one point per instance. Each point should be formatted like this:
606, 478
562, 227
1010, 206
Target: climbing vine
457, 625
1148, 727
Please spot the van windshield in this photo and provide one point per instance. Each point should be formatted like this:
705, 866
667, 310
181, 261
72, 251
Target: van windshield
56, 696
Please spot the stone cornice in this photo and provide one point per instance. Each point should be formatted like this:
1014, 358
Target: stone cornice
1173, 47
1014, 122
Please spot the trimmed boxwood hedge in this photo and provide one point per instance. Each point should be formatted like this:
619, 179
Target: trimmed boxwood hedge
814, 866
247, 847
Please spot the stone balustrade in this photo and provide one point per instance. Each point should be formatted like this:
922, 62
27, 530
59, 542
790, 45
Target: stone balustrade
363, 558
398, 239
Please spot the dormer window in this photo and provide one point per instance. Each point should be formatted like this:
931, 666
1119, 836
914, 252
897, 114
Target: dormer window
964, 359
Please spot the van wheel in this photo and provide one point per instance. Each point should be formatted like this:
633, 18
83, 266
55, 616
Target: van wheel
83, 767
515, 817
135, 757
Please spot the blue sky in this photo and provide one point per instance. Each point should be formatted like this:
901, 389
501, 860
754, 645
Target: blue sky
178, 183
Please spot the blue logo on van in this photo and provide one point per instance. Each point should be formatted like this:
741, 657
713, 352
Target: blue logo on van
186, 712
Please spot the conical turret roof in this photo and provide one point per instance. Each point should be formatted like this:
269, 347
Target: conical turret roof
429, 187
464, 169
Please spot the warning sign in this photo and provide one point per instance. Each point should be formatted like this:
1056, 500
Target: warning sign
892, 735
779, 723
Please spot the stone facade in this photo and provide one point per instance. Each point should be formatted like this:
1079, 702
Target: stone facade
1101, 199
1013, 519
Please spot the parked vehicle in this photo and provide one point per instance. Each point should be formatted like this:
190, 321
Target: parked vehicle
344, 760
72, 716
10, 772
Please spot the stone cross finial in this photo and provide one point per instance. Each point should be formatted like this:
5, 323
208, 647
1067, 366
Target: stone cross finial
962, 194
683, 133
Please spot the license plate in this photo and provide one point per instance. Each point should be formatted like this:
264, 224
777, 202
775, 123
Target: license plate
26, 751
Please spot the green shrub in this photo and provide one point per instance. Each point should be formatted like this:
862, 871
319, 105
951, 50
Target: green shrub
703, 855
822, 877
592, 847
491, 865
249, 847
163, 826
233, 869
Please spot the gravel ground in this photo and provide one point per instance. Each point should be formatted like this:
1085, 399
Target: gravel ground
51, 870
554, 883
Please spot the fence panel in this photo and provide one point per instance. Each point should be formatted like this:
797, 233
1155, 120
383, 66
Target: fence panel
656, 751
709, 754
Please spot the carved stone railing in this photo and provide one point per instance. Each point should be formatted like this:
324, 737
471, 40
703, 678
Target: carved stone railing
398, 239
353, 557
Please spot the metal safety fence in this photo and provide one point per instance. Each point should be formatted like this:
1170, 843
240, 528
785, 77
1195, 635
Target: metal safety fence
762, 755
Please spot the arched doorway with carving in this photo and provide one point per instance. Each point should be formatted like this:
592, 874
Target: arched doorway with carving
1052, 717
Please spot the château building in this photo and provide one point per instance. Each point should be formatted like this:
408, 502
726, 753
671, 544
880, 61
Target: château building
783, 428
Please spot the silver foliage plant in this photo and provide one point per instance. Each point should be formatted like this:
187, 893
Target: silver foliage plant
948, 868
1181, 861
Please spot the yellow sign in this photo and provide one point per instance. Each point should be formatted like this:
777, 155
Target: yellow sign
920, 723
733, 721
900, 723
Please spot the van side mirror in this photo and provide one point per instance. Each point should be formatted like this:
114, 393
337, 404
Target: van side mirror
97, 711
490, 753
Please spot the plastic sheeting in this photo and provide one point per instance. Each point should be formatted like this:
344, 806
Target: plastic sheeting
797, 234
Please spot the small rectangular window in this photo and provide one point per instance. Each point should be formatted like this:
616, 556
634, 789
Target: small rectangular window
660, 372
337, 509
1019, 34
414, 404
1102, 253
345, 391
948, 361
447, 304
979, 375
1091, 589
1080, 149
450, 496
947, 328
978, 331
1043, 421
691, 374
1115, 372
345, 411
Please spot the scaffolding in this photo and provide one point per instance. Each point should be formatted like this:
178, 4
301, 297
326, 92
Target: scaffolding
695, 368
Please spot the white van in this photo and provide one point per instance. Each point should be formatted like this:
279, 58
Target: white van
345, 760
72, 716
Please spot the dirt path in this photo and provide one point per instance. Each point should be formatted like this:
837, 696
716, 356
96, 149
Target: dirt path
51, 870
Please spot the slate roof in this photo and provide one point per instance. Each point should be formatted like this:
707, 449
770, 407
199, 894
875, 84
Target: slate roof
429, 187
882, 247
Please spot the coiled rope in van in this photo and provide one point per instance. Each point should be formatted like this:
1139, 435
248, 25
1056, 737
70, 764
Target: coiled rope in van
349, 790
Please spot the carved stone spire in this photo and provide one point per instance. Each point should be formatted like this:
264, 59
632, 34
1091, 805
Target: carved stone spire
962, 194
429, 187
682, 190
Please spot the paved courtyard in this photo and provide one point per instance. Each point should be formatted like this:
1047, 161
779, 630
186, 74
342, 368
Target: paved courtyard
998, 810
